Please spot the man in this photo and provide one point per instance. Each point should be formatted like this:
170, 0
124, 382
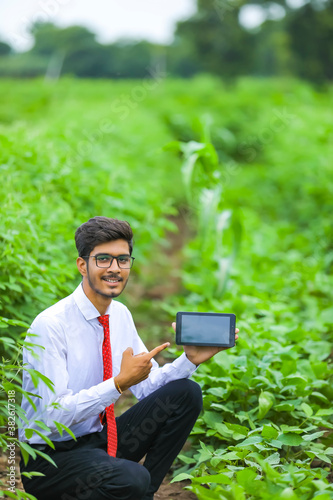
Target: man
91, 352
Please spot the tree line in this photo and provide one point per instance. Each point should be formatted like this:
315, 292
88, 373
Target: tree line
290, 42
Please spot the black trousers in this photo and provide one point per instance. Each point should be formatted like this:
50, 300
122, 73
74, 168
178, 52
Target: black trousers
156, 427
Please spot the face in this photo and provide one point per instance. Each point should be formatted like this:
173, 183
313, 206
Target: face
104, 283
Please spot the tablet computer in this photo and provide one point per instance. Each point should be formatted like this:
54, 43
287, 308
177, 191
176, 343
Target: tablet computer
205, 329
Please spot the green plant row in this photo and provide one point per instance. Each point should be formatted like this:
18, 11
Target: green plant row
266, 429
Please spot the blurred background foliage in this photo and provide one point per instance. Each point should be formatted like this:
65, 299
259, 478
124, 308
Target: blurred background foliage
241, 155
294, 39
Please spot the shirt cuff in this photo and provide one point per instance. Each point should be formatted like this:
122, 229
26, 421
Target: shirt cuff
107, 392
184, 366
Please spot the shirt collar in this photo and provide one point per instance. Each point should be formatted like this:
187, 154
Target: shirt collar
86, 307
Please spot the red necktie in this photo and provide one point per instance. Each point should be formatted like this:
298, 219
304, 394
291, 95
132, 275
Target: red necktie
107, 373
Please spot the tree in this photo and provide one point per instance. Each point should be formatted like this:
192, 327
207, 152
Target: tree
5, 49
311, 36
83, 56
75, 46
297, 41
129, 59
215, 39
49, 38
301, 43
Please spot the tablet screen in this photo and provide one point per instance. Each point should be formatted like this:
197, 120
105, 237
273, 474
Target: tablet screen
213, 329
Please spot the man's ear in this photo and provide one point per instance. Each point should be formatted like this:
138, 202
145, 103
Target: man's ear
82, 266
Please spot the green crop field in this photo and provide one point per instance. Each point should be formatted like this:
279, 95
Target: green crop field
229, 190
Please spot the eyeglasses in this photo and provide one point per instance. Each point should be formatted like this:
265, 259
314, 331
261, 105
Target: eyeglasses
105, 260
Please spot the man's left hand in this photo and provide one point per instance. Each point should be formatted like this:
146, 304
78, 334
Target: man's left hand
200, 354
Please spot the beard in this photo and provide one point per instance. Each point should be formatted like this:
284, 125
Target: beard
93, 283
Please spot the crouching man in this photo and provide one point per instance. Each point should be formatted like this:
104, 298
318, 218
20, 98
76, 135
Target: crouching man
91, 352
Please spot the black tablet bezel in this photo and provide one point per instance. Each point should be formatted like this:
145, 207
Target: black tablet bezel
231, 331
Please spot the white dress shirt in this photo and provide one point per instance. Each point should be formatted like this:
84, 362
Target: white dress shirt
71, 357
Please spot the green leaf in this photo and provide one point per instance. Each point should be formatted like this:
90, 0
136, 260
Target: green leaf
240, 429
36, 375
186, 460
26, 451
290, 439
327, 316
284, 407
47, 457
266, 401
215, 461
312, 437
10, 494
250, 441
7, 340
211, 418
288, 494
28, 433
231, 455
205, 494
181, 477
62, 427
173, 146
269, 432
223, 430
31, 474
276, 444
290, 428
45, 438
319, 395
273, 459
216, 478
324, 412
42, 425
323, 457
246, 478
15, 322
307, 409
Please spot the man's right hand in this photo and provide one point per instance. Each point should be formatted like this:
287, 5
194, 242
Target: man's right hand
134, 369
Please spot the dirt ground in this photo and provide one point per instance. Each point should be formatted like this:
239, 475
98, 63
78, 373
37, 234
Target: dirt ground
174, 491
167, 491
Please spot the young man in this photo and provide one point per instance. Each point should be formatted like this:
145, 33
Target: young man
92, 353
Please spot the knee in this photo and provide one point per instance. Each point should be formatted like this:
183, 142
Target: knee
131, 482
139, 482
192, 392
195, 395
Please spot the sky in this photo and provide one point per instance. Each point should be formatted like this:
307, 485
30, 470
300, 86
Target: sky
153, 20
111, 20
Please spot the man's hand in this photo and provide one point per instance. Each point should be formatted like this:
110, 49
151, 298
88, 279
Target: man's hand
200, 354
134, 369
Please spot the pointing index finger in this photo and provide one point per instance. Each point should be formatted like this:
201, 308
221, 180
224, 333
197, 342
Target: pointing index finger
157, 349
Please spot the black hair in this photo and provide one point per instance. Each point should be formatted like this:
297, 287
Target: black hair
102, 230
